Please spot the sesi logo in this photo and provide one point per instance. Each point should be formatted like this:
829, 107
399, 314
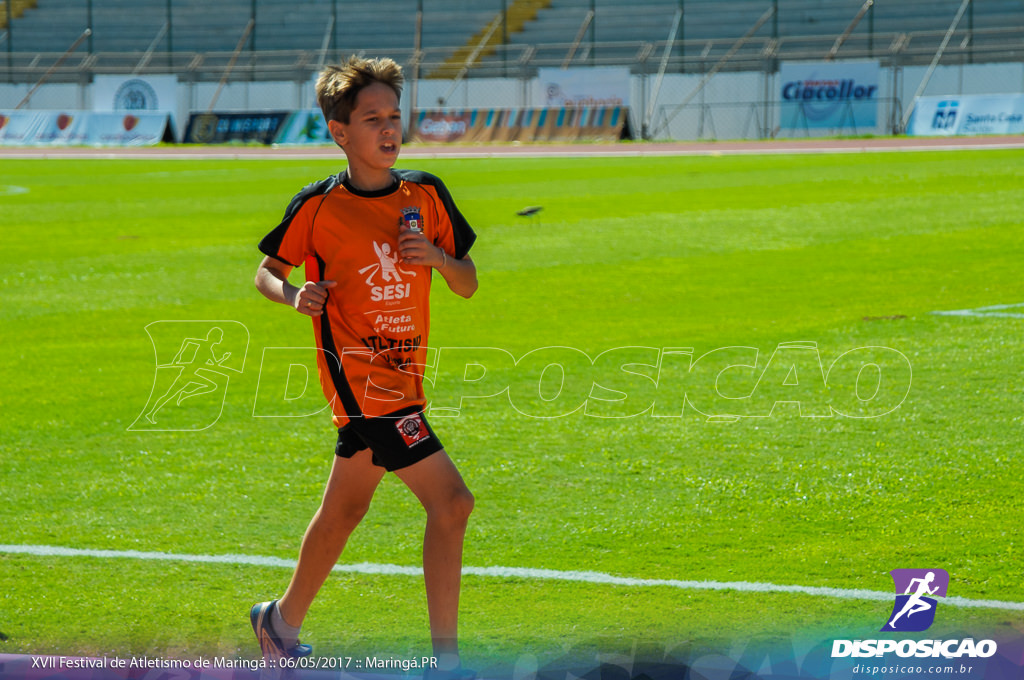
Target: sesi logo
398, 291
385, 270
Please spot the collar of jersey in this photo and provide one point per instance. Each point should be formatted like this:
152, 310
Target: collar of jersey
386, 191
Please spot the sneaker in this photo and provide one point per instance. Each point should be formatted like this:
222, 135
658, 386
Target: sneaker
270, 643
459, 673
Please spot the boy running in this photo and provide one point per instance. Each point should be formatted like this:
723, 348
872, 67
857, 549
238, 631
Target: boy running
370, 239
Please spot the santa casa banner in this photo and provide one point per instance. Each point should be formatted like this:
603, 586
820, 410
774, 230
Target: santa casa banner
84, 128
999, 114
829, 95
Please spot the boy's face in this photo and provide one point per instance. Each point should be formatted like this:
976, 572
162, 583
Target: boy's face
373, 136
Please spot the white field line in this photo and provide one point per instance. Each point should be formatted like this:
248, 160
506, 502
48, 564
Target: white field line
591, 577
998, 311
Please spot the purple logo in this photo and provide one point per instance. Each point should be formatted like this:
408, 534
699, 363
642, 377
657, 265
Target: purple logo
916, 590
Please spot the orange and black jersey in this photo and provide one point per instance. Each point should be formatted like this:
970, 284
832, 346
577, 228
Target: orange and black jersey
376, 321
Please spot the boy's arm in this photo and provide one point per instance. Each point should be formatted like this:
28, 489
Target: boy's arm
272, 281
460, 275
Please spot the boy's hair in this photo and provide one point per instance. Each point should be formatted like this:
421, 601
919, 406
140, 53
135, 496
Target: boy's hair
338, 86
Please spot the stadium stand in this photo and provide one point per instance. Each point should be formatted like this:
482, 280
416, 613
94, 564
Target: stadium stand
618, 32
509, 21
200, 26
538, 32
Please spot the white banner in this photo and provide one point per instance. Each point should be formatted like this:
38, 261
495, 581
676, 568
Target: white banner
997, 114
135, 93
836, 95
82, 128
603, 86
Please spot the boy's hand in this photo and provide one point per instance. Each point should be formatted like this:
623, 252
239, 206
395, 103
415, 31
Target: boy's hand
310, 299
415, 248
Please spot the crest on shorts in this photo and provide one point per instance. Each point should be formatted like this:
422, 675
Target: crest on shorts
412, 428
412, 219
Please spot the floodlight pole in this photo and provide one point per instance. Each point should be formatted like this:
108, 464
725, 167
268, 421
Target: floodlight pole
593, 31
931, 67
579, 38
722, 62
661, 72
46, 76
231, 64
149, 51
88, 21
170, 37
775, 20
417, 57
324, 46
849, 29
682, 40
10, 43
970, 33
491, 28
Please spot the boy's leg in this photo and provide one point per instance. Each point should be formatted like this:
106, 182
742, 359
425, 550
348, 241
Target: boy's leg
439, 487
347, 497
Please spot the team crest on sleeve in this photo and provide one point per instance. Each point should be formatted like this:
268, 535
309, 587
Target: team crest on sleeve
412, 219
413, 429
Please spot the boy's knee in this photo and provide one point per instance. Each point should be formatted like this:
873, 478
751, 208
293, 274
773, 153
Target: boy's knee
466, 502
455, 509
343, 518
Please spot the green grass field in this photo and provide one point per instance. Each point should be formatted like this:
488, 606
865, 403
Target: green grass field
846, 251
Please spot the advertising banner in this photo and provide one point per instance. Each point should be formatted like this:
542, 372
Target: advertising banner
829, 95
83, 128
597, 123
222, 128
304, 127
583, 87
1000, 114
135, 93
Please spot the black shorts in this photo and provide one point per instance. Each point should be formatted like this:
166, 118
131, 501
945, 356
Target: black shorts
396, 440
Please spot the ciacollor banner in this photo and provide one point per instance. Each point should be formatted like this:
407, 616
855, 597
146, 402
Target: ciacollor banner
996, 114
831, 95
84, 128
565, 124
